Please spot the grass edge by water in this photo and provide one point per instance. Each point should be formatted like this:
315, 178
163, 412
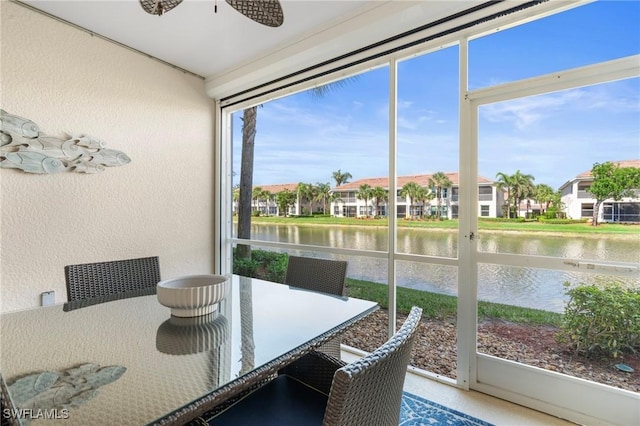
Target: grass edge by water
583, 229
441, 306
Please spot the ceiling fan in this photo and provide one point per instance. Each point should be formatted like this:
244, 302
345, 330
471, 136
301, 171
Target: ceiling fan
266, 12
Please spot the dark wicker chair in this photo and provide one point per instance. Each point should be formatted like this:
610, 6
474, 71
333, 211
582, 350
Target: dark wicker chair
321, 390
326, 276
90, 280
322, 275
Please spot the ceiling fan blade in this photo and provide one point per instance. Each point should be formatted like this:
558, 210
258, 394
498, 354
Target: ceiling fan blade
158, 7
266, 12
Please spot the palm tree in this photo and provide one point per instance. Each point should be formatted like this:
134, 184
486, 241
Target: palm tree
246, 180
335, 197
439, 181
523, 188
505, 181
379, 195
340, 177
305, 191
364, 193
256, 194
423, 196
544, 196
323, 193
412, 191
271, 197
249, 119
265, 196
284, 200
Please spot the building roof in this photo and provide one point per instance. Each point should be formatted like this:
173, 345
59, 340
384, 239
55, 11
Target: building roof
587, 174
274, 189
422, 180
623, 164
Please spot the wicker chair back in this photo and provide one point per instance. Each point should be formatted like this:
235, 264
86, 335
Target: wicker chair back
369, 391
322, 275
89, 280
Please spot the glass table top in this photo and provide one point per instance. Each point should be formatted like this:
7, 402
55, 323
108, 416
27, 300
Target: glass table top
130, 359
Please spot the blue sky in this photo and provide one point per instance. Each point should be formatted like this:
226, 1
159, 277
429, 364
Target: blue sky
304, 138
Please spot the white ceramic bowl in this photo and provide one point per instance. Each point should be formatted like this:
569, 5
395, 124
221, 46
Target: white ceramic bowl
192, 295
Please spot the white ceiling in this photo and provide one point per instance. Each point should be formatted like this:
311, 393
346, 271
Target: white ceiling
193, 37
225, 45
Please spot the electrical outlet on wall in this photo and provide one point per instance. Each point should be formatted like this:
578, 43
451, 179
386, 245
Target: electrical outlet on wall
48, 298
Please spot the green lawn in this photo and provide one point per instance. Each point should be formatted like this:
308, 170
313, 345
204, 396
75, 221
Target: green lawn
510, 226
441, 306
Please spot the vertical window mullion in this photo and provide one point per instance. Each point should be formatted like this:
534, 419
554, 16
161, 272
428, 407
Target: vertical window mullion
466, 310
223, 202
392, 219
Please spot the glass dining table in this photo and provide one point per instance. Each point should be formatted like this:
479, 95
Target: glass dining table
128, 361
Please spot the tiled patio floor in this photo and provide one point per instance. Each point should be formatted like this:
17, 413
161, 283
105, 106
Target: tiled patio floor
485, 407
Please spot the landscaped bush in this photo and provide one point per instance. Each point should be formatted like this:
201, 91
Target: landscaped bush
553, 213
501, 219
602, 320
276, 269
561, 221
245, 267
264, 264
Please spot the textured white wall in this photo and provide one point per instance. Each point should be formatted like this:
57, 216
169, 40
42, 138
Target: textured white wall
67, 81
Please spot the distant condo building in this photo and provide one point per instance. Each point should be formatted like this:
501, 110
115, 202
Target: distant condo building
347, 201
578, 203
344, 201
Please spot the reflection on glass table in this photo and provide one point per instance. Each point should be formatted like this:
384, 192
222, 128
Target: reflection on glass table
171, 368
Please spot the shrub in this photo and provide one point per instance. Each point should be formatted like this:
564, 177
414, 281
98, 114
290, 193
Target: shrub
245, 267
264, 256
276, 270
500, 219
554, 213
264, 264
561, 221
602, 320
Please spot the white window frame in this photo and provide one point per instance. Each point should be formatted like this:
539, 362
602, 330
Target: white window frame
581, 401
567, 397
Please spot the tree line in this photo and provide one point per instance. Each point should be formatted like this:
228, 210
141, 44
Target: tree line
610, 182
304, 193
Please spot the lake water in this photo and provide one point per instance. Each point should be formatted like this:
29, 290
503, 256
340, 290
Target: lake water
528, 287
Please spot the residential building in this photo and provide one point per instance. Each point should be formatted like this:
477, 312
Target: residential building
267, 204
347, 203
578, 202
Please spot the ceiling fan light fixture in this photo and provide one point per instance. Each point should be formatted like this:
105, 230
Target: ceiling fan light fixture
266, 12
158, 7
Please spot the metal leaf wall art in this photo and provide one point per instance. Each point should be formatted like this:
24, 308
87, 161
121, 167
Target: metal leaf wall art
23, 146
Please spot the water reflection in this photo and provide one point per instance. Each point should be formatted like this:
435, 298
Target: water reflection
616, 249
528, 287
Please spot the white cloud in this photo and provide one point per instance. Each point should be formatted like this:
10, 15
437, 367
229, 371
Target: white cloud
619, 97
524, 112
